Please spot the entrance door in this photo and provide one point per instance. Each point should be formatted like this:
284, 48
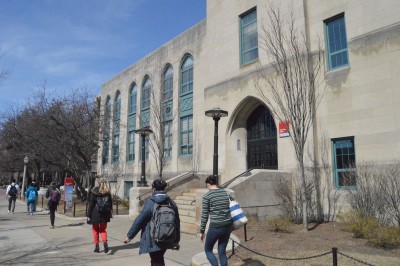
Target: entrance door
262, 152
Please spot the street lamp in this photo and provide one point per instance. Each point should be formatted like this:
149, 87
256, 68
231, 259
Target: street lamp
216, 114
145, 131
26, 160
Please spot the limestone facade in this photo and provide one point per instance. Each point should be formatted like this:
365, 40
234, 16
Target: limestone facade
361, 100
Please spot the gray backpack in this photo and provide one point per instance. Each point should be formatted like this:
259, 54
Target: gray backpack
163, 224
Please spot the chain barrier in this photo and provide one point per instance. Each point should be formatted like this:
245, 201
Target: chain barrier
280, 258
359, 261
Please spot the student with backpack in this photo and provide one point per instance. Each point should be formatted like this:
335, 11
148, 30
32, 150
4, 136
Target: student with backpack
160, 225
12, 193
99, 213
31, 195
53, 195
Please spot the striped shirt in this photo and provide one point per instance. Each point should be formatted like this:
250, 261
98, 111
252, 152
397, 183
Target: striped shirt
216, 205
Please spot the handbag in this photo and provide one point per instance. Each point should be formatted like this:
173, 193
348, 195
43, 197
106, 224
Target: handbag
238, 217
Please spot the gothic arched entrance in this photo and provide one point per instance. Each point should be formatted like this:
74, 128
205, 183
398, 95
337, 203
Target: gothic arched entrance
262, 150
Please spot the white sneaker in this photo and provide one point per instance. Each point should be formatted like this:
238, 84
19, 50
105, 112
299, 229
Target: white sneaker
9, 212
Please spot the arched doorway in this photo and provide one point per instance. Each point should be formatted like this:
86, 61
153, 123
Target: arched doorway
262, 150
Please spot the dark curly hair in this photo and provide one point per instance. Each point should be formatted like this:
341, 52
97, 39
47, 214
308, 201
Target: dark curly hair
159, 184
211, 180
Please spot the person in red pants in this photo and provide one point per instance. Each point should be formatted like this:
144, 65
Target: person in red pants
100, 213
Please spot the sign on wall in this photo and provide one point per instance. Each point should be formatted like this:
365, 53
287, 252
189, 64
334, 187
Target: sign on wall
284, 129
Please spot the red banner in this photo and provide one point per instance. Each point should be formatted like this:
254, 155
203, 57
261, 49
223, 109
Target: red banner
284, 129
69, 181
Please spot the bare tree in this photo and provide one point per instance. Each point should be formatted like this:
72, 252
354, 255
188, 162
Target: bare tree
290, 89
196, 152
162, 122
115, 179
61, 133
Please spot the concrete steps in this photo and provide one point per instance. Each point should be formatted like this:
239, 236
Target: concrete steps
187, 211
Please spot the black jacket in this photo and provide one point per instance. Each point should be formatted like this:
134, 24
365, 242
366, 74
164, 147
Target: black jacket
95, 216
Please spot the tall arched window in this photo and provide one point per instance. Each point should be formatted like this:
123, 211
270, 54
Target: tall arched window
186, 106
130, 155
116, 124
168, 83
146, 92
106, 131
168, 109
145, 109
187, 75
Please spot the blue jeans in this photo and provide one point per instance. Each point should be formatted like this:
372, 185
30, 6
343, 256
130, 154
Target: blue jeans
31, 206
220, 234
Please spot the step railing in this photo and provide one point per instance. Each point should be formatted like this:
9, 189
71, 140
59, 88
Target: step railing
226, 184
169, 182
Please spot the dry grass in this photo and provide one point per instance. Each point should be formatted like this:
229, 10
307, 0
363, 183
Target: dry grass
299, 244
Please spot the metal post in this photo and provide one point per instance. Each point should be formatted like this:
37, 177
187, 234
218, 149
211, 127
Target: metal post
334, 256
233, 247
215, 156
245, 232
143, 132
116, 204
74, 208
216, 114
143, 175
24, 177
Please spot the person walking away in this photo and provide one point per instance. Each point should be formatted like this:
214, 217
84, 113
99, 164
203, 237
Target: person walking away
12, 193
31, 195
53, 195
155, 239
100, 213
215, 206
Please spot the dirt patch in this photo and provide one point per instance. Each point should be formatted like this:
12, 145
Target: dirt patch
290, 248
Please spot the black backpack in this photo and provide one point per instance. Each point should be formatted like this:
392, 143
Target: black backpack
103, 203
12, 192
163, 223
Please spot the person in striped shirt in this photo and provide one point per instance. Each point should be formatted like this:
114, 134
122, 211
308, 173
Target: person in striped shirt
216, 206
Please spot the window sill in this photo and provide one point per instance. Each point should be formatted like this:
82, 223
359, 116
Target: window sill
249, 63
337, 71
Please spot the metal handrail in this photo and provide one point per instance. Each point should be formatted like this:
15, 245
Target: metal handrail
226, 184
184, 175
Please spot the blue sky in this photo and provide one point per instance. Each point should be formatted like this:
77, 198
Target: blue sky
70, 44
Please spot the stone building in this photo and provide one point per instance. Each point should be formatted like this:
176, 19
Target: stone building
213, 64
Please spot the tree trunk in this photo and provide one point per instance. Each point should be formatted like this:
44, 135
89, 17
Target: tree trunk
303, 193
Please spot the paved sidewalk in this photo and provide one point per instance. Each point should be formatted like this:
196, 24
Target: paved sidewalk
29, 240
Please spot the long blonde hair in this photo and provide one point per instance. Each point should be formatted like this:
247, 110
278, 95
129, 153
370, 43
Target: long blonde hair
103, 187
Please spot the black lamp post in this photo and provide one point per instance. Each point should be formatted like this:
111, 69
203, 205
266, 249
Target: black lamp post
216, 114
145, 131
26, 160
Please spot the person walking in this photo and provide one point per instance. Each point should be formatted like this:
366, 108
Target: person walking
100, 213
148, 243
215, 206
12, 193
31, 195
53, 195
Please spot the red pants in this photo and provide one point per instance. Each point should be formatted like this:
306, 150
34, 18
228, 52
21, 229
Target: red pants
99, 229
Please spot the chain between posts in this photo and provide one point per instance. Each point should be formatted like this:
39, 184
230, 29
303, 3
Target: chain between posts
334, 252
280, 258
359, 261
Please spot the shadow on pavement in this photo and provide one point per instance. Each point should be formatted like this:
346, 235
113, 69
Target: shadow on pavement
69, 225
114, 249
